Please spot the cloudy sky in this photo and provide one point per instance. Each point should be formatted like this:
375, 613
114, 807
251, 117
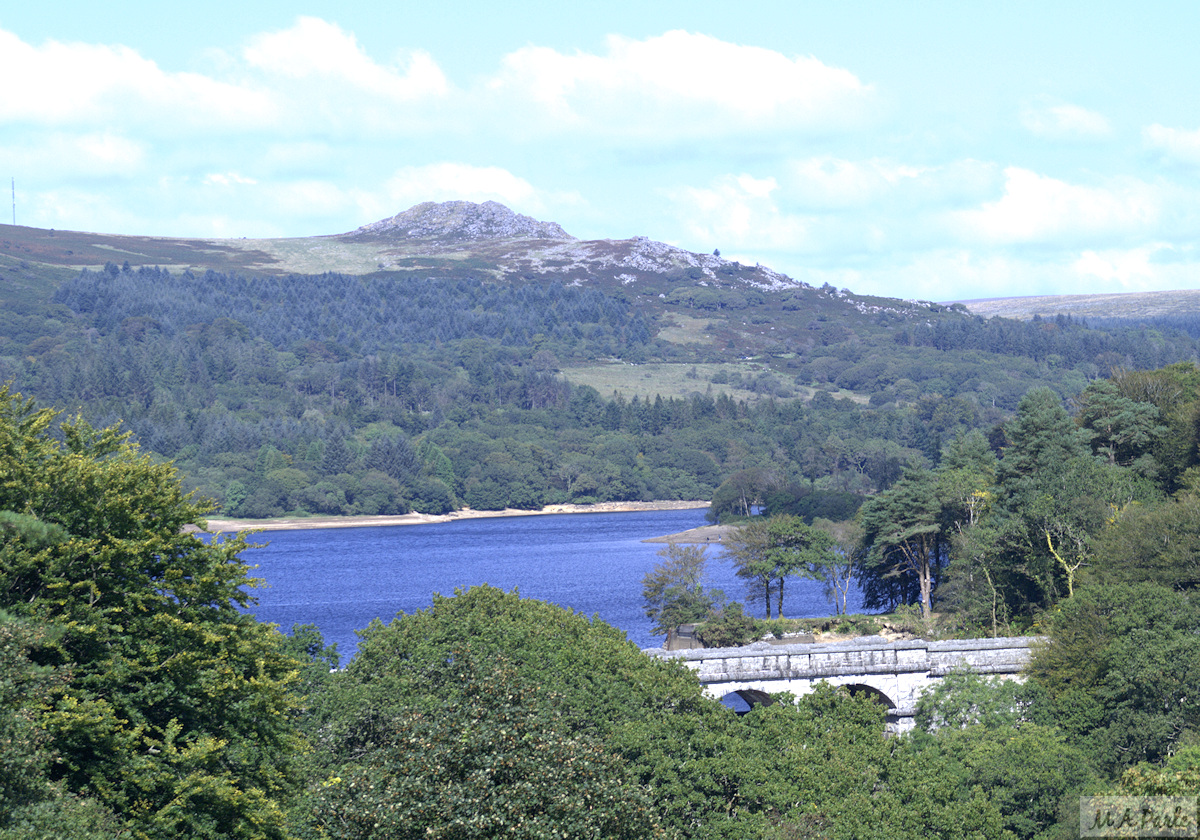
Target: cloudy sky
934, 150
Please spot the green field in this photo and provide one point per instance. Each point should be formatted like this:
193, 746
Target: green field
683, 329
672, 380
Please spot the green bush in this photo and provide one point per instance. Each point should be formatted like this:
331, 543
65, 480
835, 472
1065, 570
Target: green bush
731, 628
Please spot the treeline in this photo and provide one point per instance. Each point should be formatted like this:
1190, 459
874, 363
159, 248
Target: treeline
138, 699
1063, 339
1002, 524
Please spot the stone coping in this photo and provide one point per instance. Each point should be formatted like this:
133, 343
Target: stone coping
862, 643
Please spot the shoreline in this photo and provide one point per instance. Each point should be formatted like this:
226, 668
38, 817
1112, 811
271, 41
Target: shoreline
222, 525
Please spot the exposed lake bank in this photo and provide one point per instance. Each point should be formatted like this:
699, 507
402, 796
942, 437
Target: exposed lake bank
704, 535
223, 525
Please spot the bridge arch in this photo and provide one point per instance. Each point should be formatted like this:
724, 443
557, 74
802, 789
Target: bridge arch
871, 692
743, 700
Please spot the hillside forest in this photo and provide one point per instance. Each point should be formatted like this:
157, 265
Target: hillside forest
338, 394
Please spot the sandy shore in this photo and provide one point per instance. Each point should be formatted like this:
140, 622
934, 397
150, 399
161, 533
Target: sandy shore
216, 526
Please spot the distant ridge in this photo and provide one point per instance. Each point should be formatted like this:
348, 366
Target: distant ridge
1125, 305
456, 239
464, 221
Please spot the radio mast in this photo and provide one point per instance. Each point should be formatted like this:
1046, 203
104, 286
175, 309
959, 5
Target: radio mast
14, 193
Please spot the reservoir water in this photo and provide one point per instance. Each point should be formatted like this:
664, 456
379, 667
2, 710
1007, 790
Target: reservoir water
341, 578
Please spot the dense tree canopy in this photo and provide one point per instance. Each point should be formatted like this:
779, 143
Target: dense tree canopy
176, 713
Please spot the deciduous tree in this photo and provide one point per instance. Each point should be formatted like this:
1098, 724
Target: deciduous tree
838, 575
766, 552
489, 712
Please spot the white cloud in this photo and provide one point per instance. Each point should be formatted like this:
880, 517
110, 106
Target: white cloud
678, 83
882, 227
63, 208
1065, 122
314, 49
110, 151
59, 156
739, 212
831, 182
1039, 209
313, 81
833, 208
972, 274
85, 84
300, 154
310, 198
311, 78
1174, 143
874, 185
1130, 268
457, 181
227, 179
928, 274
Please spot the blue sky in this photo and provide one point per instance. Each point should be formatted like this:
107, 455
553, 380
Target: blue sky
941, 151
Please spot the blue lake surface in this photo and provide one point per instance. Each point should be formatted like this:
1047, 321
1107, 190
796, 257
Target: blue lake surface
341, 578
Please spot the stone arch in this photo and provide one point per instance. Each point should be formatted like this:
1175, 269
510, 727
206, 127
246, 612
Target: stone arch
743, 700
864, 690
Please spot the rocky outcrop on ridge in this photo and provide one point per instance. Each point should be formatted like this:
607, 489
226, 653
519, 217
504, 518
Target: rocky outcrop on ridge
514, 245
458, 221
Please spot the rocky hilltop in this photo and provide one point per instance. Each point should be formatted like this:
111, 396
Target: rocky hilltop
457, 221
516, 246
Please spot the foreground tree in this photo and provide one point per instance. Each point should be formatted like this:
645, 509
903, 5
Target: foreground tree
492, 715
489, 715
31, 806
480, 755
177, 715
1120, 672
